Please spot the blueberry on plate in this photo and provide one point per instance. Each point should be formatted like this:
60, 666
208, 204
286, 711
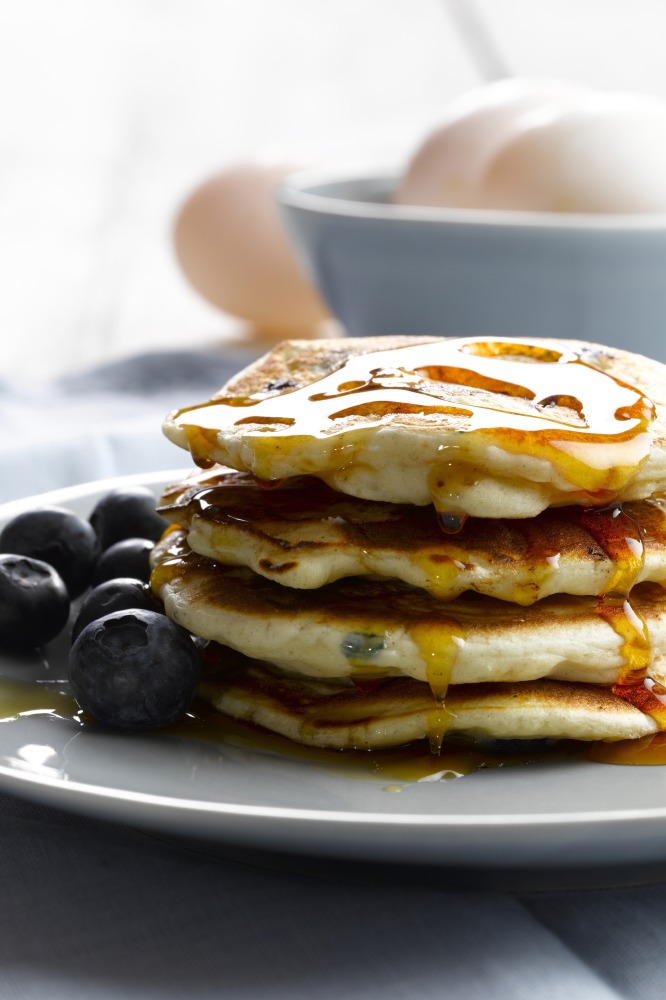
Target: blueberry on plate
127, 512
58, 537
131, 557
134, 670
34, 603
118, 594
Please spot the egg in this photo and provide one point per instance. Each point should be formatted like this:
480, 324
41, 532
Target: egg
603, 153
447, 168
544, 146
232, 247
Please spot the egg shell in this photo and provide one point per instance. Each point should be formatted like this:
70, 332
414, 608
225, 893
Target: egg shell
232, 247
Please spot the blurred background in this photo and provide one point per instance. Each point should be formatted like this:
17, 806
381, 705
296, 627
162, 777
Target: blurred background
112, 111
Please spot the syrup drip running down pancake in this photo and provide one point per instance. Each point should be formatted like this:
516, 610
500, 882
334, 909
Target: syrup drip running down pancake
477, 427
306, 535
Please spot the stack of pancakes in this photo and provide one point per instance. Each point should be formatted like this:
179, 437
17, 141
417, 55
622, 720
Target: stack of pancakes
401, 538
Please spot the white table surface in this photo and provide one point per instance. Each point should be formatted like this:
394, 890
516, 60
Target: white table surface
110, 112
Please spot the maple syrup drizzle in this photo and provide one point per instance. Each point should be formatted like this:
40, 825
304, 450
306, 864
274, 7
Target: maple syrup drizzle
621, 539
176, 560
591, 427
438, 651
451, 523
649, 697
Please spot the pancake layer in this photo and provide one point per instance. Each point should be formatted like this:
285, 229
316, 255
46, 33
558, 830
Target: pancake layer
368, 628
305, 535
478, 428
399, 711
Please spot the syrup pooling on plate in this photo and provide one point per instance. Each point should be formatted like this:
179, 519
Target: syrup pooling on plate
407, 764
21, 698
650, 698
591, 428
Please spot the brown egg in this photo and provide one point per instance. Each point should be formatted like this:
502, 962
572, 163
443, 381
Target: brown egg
232, 246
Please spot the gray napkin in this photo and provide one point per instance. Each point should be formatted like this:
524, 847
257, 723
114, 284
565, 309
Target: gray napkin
105, 422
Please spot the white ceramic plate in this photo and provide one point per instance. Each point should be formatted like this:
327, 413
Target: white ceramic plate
548, 815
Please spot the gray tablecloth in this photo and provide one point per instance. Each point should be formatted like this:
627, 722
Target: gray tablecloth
94, 911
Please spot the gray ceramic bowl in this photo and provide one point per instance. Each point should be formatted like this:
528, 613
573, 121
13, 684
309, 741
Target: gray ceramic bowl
387, 269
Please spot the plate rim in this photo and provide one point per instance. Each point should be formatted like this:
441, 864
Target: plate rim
328, 816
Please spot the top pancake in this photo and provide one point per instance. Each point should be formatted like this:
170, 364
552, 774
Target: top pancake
489, 429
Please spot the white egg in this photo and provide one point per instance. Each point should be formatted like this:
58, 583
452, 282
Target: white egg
232, 247
447, 168
603, 152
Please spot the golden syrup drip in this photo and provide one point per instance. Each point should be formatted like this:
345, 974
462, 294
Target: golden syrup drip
621, 539
649, 697
201, 441
636, 646
451, 524
591, 427
236, 497
438, 651
269, 484
441, 573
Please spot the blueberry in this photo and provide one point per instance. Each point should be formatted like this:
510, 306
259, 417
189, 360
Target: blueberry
127, 513
134, 670
131, 557
119, 594
57, 537
34, 603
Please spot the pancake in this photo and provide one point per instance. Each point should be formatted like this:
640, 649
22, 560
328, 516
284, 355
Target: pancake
488, 429
367, 628
306, 535
399, 711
